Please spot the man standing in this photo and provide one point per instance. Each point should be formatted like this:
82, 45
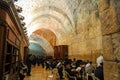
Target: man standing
28, 63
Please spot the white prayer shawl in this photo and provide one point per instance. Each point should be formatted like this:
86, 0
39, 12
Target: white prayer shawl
99, 60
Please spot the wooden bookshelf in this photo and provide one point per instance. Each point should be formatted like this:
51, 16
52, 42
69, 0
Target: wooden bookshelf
10, 52
12, 41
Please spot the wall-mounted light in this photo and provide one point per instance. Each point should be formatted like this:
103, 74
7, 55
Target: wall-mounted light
24, 28
22, 23
18, 8
21, 17
15, 0
25, 31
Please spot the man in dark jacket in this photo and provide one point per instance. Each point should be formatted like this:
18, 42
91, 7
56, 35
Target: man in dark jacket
70, 72
99, 72
28, 63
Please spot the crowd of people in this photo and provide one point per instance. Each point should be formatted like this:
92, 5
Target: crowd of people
78, 68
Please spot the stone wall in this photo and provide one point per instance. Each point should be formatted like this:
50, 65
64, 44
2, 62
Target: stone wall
87, 42
98, 33
110, 26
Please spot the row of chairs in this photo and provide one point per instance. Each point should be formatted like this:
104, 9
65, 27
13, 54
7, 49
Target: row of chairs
67, 76
55, 75
92, 75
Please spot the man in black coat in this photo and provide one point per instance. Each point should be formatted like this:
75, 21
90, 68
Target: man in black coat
99, 72
70, 72
28, 63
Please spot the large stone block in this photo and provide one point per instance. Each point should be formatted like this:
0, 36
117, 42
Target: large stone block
109, 21
107, 42
111, 70
103, 5
109, 15
116, 5
116, 44
108, 48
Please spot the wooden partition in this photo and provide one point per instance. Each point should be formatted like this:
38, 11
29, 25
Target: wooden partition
60, 51
25, 54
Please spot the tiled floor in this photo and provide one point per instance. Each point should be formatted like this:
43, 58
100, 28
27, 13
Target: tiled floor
38, 73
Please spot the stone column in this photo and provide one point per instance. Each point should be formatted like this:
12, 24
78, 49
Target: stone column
109, 11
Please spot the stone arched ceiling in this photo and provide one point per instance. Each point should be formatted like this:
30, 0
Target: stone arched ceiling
47, 18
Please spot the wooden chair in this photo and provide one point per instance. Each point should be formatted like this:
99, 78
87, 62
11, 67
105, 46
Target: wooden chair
50, 77
54, 75
92, 75
67, 76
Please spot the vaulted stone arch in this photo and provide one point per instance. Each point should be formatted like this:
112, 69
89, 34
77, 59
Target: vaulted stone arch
48, 35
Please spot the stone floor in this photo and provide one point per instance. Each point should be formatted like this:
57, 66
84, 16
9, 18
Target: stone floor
38, 73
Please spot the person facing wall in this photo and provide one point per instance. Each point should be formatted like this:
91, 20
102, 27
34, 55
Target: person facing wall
99, 69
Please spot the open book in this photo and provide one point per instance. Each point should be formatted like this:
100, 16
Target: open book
78, 68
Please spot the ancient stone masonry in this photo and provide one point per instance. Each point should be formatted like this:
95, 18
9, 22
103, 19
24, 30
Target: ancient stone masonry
119, 70
116, 44
117, 10
108, 48
109, 22
110, 26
